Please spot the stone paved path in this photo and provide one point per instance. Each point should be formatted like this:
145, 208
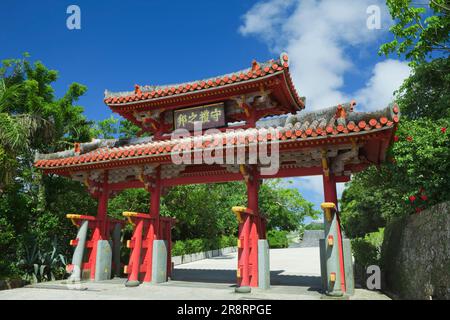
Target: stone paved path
295, 275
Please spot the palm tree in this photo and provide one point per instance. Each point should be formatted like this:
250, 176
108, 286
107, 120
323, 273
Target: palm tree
16, 132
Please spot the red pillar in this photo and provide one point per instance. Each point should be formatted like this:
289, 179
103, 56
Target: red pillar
252, 194
135, 259
330, 195
249, 234
100, 230
153, 231
245, 253
255, 226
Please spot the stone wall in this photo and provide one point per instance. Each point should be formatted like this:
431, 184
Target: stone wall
416, 255
12, 284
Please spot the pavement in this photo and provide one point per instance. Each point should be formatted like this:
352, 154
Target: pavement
295, 275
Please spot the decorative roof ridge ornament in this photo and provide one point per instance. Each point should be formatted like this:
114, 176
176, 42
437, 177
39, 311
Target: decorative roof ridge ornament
137, 90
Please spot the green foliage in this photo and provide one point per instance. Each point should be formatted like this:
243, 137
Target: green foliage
368, 201
203, 211
416, 174
195, 245
422, 162
183, 247
179, 248
33, 119
367, 250
277, 239
418, 31
106, 129
128, 130
37, 266
284, 206
111, 128
134, 200
426, 93
421, 170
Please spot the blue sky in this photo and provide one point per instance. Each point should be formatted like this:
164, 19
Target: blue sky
121, 43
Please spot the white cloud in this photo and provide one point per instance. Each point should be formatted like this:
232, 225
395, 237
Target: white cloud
265, 18
319, 36
386, 77
313, 185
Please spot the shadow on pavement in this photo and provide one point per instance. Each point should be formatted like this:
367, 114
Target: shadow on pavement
229, 276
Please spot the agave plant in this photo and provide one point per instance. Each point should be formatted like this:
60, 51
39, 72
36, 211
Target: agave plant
39, 267
29, 264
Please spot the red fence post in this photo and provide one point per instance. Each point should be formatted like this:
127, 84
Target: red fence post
135, 258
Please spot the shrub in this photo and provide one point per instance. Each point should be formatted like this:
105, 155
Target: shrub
232, 241
178, 248
194, 245
367, 251
182, 247
277, 239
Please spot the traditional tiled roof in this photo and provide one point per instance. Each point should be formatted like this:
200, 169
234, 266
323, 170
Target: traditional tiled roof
258, 70
334, 122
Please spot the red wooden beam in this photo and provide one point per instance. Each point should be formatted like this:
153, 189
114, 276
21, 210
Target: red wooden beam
218, 177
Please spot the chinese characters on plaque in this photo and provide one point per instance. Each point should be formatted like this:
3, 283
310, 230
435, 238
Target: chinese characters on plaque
210, 116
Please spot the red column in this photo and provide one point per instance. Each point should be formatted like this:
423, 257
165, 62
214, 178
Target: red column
252, 194
155, 194
254, 227
153, 231
245, 253
135, 259
100, 230
330, 195
249, 232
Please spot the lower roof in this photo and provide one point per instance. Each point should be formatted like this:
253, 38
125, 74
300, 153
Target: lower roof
323, 127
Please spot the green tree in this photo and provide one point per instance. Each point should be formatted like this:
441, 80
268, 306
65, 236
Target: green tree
16, 132
416, 173
284, 206
426, 93
417, 177
33, 119
418, 32
106, 129
127, 129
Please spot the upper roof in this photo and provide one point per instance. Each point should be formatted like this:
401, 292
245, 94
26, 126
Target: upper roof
152, 96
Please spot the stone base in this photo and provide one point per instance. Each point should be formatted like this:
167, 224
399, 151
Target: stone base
130, 284
244, 289
263, 264
159, 263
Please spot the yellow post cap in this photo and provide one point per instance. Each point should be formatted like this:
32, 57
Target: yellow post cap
328, 205
129, 214
238, 209
73, 216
